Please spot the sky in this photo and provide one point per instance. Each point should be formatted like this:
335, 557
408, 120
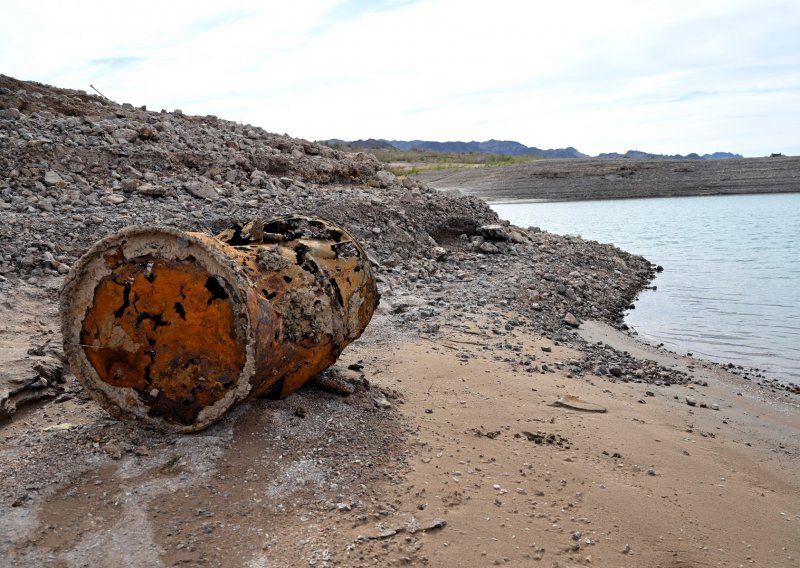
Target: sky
661, 76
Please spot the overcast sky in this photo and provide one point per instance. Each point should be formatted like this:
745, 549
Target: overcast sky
667, 76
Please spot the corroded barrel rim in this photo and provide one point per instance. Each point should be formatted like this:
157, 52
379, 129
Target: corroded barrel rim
78, 294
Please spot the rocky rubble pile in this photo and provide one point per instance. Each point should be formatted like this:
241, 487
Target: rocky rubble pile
76, 167
604, 361
546, 278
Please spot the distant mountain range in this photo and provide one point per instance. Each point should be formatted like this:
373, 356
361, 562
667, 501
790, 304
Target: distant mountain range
692, 156
508, 148
504, 147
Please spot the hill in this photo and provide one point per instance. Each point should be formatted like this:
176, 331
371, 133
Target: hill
497, 147
692, 156
506, 148
503, 147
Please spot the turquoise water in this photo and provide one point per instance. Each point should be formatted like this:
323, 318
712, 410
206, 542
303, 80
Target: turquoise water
730, 290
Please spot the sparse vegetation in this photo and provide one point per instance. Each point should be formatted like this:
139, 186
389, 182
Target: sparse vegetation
409, 162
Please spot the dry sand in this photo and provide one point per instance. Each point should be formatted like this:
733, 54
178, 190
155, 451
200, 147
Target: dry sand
674, 485
451, 458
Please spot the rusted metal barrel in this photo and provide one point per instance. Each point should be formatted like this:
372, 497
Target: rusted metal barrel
175, 328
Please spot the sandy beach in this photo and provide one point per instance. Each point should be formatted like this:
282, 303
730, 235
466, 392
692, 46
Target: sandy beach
455, 455
650, 482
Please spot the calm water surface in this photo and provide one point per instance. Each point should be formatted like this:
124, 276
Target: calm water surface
730, 290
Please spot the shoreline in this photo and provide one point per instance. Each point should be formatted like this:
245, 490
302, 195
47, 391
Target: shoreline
630, 178
748, 356
746, 372
630, 340
522, 201
468, 461
601, 476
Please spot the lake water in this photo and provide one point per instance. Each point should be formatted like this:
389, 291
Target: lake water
730, 290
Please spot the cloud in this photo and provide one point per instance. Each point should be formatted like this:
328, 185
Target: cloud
221, 20
672, 77
350, 10
122, 62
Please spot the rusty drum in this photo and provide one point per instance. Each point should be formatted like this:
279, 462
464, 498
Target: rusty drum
175, 328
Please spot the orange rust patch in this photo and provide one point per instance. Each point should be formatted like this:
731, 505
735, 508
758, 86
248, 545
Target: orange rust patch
168, 330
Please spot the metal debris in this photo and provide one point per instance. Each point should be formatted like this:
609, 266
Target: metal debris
175, 328
575, 403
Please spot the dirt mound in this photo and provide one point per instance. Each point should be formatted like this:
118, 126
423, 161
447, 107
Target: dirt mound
75, 167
